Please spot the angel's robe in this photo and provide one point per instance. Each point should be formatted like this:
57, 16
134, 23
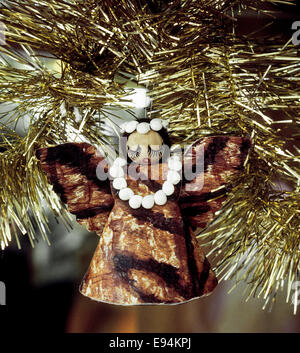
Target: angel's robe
145, 256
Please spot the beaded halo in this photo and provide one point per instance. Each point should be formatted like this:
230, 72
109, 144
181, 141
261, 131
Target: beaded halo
143, 128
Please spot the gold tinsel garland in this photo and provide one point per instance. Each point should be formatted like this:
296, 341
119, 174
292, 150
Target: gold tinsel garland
202, 75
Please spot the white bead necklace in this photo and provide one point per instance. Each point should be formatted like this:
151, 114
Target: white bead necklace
148, 201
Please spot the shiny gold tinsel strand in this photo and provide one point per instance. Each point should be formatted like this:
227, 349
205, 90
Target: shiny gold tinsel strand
202, 74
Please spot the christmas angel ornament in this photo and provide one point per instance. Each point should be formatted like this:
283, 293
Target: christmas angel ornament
146, 210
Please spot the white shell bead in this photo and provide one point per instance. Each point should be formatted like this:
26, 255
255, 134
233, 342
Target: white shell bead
131, 126
160, 198
143, 128
156, 124
173, 177
135, 201
148, 201
165, 123
116, 172
120, 162
119, 183
125, 194
168, 188
176, 157
174, 164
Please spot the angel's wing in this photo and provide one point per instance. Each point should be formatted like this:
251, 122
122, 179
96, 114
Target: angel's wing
208, 163
71, 169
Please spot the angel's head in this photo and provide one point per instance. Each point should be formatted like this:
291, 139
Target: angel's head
145, 148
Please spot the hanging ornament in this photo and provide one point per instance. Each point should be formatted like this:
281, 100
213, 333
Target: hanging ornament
225, 81
147, 252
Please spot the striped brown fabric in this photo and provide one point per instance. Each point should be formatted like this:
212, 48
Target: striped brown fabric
143, 256
71, 169
224, 157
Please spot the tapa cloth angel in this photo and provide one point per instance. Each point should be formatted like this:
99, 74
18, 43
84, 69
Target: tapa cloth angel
147, 252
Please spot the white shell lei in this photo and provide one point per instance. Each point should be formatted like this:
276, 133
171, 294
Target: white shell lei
148, 201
